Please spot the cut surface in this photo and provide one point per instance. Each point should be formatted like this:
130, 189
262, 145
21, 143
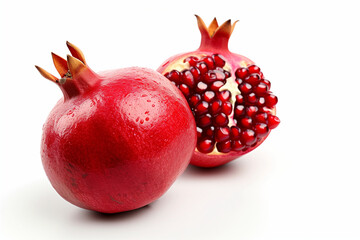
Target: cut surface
233, 108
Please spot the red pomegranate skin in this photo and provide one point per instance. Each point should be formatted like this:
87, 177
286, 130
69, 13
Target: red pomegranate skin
121, 144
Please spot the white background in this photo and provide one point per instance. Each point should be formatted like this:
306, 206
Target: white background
302, 183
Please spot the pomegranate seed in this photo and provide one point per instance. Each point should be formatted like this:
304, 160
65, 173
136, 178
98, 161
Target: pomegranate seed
209, 96
246, 122
199, 132
194, 100
224, 147
220, 75
248, 137
209, 62
241, 73
205, 146
209, 132
251, 98
210, 77
260, 89
261, 101
191, 60
187, 78
224, 95
174, 76
253, 79
270, 100
251, 111
267, 82
253, 69
215, 86
185, 90
234, 133
261, 129
266, 110
202, 67
196, 73
239, 110
221, 120
201, 87
214, 75
238, 81
239, 99
202, 108
236, 145
215, 107
219, 60
226, 108
261, 117
227, 74
245, 88
204, 120
222, 134
273, 121
235, 121
261, 75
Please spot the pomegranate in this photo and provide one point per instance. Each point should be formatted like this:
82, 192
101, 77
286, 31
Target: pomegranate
118, 139
228, 94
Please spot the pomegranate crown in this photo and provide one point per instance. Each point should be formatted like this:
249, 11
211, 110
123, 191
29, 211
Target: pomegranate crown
215, 36
75, 75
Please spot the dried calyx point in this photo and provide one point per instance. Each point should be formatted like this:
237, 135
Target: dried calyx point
214, 27
215, 36
75, 75
62, 66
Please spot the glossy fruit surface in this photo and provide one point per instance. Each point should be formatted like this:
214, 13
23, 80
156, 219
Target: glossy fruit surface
228, 94
118, 139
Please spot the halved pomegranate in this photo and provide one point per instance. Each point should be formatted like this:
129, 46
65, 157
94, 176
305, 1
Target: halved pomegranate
228, 94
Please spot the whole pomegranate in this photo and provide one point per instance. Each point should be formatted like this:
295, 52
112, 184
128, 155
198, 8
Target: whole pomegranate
118, 139
231, 100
